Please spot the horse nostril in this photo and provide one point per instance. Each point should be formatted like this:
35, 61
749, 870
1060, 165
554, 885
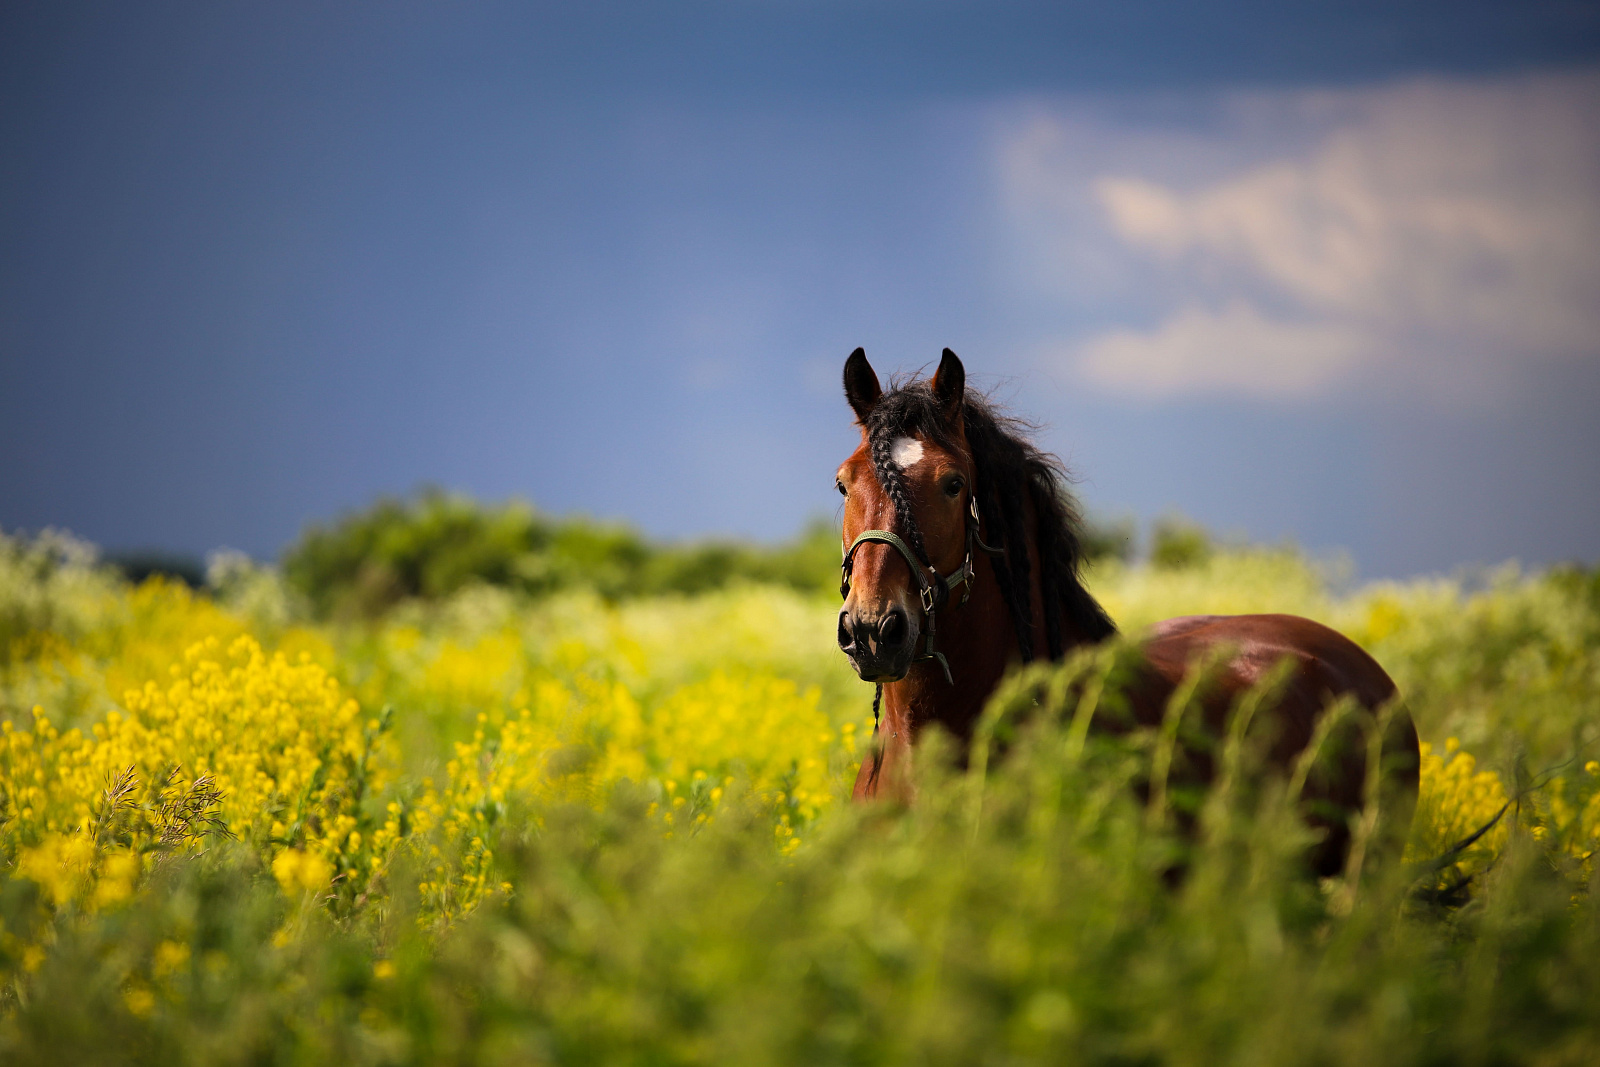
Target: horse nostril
892, 630
847, 640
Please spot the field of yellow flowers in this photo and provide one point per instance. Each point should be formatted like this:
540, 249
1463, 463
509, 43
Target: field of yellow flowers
491, 828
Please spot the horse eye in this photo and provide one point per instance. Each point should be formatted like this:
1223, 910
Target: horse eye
953, 487
842, 490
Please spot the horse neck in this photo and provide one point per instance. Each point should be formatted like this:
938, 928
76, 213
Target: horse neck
979, 639
979, 642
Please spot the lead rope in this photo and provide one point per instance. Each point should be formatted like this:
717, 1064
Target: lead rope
877, 699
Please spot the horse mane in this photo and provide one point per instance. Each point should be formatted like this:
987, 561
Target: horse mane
1010, 472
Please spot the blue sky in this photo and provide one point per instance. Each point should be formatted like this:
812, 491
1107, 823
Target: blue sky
1321, 272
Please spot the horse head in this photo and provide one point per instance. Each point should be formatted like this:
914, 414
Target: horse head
910, 518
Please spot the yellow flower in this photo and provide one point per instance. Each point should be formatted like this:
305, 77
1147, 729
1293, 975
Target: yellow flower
170, 957
140, 999
1455, 800
60, 865
118, 874
298, 871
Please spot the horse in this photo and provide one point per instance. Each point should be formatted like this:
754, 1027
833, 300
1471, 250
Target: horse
962, 557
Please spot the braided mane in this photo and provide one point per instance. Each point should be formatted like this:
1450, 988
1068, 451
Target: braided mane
1010, 472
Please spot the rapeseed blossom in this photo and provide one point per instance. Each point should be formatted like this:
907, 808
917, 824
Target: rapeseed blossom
161, 722
1574, 814
292, 767
141, 728
299, 871
236, 743
1455, 800
227, 739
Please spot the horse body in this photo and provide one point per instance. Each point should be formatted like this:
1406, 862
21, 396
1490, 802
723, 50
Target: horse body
1324, 666
973, 480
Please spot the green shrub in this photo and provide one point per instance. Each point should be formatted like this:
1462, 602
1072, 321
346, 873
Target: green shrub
437, 544
1176, 542
51, 584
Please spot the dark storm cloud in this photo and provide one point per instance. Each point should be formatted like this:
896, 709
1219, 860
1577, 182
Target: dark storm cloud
258, 263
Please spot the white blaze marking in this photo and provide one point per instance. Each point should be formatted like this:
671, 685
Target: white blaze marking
905, 451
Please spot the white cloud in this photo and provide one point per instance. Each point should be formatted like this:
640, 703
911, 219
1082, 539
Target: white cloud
1433, 237
1234, 350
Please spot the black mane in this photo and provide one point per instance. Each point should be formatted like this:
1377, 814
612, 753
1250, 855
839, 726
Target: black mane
1010, 471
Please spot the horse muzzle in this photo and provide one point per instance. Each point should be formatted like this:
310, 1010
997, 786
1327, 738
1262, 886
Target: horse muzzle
880, 646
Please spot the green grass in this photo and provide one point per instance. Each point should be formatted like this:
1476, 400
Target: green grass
1022, 911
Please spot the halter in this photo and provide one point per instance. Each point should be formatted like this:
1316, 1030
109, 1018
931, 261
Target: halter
934, 590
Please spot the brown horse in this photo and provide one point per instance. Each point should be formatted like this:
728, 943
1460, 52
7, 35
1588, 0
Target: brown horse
962, 554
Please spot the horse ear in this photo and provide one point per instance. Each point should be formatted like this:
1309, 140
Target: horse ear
950, 385
861, 385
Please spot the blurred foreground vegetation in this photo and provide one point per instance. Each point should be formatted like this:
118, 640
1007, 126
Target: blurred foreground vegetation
478, 811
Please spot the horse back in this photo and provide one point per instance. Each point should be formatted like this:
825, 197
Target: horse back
1325, 660
1326, 666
